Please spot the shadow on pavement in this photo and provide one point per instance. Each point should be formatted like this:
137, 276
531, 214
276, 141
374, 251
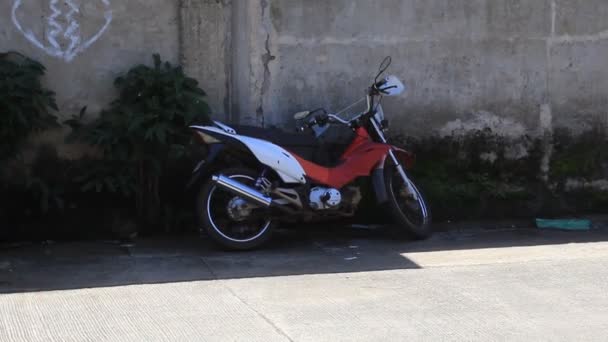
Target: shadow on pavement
317, 250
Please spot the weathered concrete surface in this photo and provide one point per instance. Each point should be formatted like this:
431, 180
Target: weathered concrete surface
205, 48
456, 57
260, 60
471, 285
138, 29
509, 58
534, 65
578, 48
519, 68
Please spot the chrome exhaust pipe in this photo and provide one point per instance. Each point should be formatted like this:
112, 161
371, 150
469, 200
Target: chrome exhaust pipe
242, 190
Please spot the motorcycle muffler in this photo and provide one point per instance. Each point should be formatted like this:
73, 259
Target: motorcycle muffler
242, 190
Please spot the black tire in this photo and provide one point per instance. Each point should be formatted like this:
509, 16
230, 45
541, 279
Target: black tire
414, 227
209, 206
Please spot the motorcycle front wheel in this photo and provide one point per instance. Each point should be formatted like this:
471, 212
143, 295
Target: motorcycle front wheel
406, 205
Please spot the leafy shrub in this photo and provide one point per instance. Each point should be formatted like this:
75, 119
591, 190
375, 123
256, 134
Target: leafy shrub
25, 105
141, 131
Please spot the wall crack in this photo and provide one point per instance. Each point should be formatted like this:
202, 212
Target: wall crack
267, 57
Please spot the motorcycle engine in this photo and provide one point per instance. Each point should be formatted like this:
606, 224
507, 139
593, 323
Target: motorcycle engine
324, 198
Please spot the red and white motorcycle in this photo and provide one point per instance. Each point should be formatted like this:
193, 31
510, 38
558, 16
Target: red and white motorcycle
251, 183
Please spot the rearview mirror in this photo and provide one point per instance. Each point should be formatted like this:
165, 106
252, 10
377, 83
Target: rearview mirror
386, 62
301, 115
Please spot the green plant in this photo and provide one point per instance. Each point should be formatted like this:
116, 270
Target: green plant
580, 156
47, 195
47, 180
26, 105
141, 132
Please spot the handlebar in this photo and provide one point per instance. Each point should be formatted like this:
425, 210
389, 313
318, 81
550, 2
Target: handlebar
377, 89
379, 84
326, 118
339, 119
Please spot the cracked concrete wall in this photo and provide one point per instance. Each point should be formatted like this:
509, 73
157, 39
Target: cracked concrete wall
223, 45
205, 49
517, 67
456, 57
540, 64
535, 62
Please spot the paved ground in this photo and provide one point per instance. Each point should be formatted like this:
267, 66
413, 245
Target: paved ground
312, 286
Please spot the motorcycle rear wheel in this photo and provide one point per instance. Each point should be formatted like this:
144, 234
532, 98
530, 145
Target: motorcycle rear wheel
213, 208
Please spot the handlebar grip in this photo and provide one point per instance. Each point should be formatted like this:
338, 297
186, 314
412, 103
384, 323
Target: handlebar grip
311, 123
319, 120
322, 120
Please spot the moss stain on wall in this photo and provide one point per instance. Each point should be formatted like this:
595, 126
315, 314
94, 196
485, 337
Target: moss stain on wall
488, 167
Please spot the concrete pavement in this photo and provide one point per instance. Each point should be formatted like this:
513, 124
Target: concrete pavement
348, 285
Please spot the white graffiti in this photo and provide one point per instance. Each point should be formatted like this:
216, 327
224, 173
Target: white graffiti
71, 31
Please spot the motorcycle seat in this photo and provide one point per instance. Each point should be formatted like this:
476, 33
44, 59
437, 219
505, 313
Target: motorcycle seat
304, 145
277, 136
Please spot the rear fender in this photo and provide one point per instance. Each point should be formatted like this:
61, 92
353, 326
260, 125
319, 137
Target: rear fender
204, 167
379, 182
275, 157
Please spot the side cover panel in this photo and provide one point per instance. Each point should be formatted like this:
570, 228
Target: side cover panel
269, 154
358, 162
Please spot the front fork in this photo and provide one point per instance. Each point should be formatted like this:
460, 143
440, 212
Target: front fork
406, 179
398, 165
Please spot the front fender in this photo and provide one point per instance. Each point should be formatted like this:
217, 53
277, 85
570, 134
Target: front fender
406, 159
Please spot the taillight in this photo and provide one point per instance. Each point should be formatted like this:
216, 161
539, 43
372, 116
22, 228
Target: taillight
205, 138
197, 137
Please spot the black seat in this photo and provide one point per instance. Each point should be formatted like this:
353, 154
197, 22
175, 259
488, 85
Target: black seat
304, 144
277, 136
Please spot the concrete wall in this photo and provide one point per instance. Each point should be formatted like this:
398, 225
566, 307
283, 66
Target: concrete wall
456, 57
530, 61
536, 64
518, 67
261, 60
84, 55
83, 75
205, 40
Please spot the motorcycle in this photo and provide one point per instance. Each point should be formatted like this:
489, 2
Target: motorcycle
250, 182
